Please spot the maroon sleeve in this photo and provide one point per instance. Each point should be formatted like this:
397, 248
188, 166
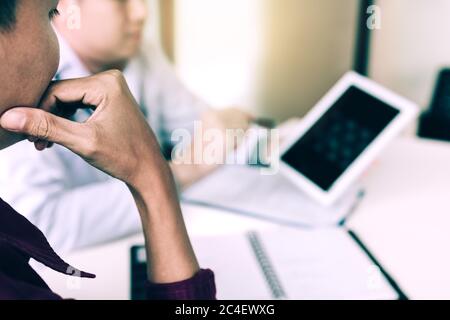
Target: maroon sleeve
19, 241
200, 287
18, 235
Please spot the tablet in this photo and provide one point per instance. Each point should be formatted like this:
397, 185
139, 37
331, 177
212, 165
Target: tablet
342, 135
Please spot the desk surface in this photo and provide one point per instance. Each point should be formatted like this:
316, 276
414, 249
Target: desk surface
111, 262
404, 220
405, 217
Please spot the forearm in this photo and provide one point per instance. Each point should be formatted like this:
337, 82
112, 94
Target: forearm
169, 251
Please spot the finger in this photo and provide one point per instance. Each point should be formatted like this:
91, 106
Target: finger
66, 91
91, 91
45, 126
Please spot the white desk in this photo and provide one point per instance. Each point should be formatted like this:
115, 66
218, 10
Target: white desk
405, 217
404, 220
111, 263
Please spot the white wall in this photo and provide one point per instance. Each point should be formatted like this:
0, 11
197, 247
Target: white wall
153, 26
280, 56
277, 57
218, 45
310, 44
411, 47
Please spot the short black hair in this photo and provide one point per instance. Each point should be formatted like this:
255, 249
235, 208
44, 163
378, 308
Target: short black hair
7, 14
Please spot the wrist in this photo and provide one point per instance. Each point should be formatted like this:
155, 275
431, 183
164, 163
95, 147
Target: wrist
167, 241
154, 189
149, 171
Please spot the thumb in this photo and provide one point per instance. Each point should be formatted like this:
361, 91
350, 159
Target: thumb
44, 126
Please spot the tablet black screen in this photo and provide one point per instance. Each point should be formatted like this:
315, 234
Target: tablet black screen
339, 137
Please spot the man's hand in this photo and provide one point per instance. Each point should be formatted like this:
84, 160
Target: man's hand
219, 120
227, 119
117, 140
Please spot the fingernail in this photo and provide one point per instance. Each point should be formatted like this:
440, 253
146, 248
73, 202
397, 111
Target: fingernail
13, 120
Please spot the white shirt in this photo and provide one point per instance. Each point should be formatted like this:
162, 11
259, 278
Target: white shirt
74, 204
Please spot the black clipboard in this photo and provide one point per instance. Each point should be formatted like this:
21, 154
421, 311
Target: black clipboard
401, 294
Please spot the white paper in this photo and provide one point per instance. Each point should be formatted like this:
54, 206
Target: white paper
243, 189
310, 264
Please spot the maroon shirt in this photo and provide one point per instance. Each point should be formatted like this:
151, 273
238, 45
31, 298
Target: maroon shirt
20, 240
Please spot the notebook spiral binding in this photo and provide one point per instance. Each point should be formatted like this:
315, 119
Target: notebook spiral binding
266, 266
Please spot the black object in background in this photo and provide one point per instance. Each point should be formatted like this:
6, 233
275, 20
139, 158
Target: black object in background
363, 38
138, 273
435, 122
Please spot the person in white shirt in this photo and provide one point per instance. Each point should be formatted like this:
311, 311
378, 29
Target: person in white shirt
74, 204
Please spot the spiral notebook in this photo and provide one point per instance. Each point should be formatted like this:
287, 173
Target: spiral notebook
288, 263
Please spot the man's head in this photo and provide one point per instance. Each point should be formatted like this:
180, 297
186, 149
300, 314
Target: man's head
29, 54
102, 32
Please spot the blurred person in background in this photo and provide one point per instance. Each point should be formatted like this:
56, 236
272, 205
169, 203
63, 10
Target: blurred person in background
74, 204
29, 55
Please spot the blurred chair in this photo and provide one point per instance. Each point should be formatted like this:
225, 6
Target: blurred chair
435, 122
